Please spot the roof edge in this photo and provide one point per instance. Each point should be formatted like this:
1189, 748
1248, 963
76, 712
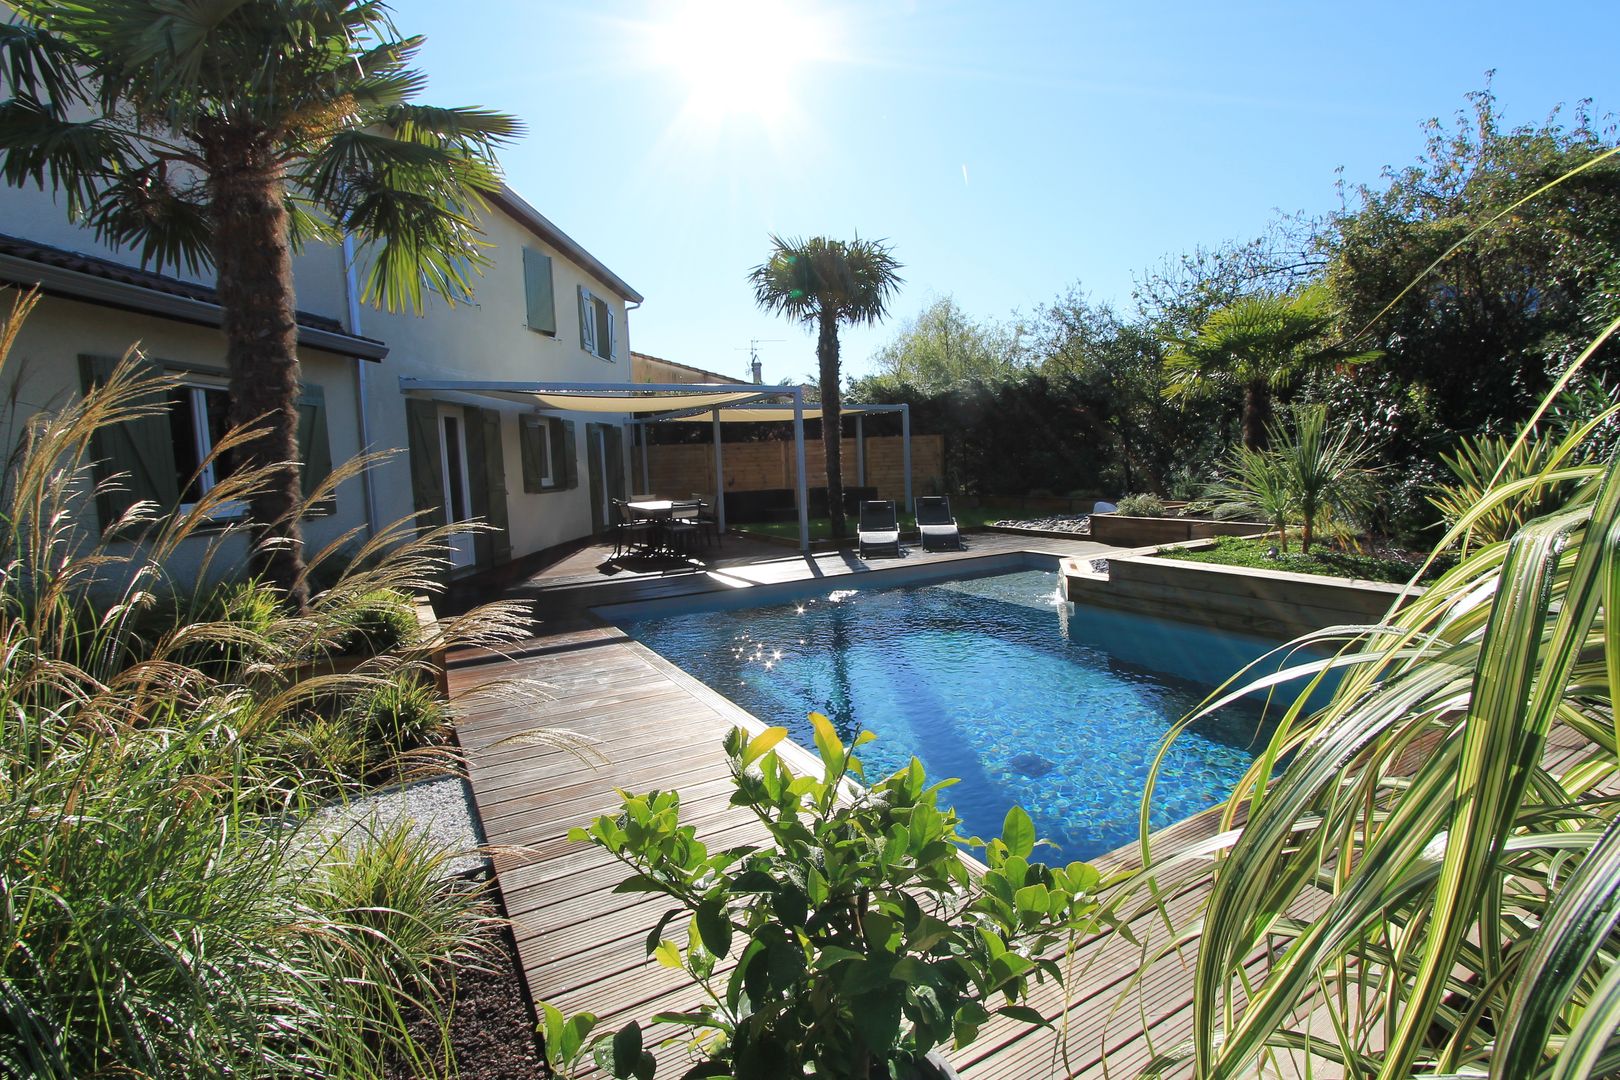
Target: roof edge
71, 284
515, 205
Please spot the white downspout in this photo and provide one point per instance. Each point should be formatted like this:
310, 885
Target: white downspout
352, 292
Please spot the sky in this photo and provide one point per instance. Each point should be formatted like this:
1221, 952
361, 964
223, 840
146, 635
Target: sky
1007, 150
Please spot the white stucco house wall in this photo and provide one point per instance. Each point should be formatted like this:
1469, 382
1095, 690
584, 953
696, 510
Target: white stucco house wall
545, 309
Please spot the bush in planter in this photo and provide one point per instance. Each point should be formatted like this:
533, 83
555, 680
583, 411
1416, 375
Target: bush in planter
400, 714
1141, 506
861, 940
377, 622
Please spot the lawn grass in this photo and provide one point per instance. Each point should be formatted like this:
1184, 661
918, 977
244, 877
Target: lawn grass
1384, 565
821, 528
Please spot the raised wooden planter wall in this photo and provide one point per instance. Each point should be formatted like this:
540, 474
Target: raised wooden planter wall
1122, 530
1272, 603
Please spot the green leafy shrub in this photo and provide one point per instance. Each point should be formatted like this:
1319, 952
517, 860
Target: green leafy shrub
1141, 506
1312, 477
861, 941
378, 622
399, 714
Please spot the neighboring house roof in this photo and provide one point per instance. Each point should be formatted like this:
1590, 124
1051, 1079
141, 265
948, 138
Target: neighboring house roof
707, 376
536, 222
76, 276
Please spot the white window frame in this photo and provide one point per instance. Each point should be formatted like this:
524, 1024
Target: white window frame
196, 388
591, 333
548, 477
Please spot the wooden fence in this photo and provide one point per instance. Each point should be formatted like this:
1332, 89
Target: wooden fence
766, 466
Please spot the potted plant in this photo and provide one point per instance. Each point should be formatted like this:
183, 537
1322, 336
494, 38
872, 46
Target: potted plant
861, 939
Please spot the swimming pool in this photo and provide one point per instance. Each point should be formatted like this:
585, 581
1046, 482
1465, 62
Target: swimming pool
995, 680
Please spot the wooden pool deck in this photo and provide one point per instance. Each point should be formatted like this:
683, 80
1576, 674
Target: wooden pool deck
582, 947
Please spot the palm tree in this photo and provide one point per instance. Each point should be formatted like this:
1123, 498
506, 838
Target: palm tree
223, 135
827, 282
1258, 344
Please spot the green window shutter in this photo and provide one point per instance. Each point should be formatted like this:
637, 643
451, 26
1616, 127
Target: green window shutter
532, 448
593, 461
142, 450
612, 342
540, 293
427, 469
314, 444
565, 465
587, 321
615, 462
486, 473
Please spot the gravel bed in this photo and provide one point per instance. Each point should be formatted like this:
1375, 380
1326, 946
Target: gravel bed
1079, 524
441, 807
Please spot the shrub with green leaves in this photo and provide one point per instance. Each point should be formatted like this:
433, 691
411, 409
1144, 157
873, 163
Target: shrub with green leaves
399, 715
855, 942
1144, 505
378, 622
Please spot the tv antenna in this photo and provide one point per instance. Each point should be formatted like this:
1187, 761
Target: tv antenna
753, 352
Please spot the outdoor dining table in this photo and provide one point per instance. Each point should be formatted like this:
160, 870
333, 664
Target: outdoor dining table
652, 508
660, 511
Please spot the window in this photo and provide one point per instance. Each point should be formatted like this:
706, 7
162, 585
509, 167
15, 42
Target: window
538, 292
595, 324
456, 294
197, 422
539, 461
159, 457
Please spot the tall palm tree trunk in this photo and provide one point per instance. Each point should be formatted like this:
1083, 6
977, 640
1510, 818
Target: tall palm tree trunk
1256, 413
831, 423
253, 257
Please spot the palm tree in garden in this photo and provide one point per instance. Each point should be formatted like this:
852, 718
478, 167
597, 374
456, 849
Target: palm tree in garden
825, 283
1258, 345
224, 135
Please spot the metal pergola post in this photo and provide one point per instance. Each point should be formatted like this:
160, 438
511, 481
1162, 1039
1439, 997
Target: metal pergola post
860, 450
719, 479
798, 455
905, 453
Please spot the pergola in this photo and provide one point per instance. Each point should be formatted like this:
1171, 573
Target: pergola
657, 403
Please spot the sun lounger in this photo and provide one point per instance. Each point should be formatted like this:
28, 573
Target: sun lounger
935, 523
878, 528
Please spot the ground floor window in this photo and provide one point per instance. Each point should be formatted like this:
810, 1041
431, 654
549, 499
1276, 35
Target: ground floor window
164, 457
198, 421
540, 471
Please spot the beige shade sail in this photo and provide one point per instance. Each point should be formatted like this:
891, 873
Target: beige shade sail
742, 414
598, 398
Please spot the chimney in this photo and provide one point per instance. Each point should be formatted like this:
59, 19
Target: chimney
758, 377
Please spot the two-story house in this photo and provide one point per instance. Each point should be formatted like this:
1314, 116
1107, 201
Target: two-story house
546, 309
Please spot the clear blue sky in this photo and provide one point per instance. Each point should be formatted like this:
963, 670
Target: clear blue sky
1006, 149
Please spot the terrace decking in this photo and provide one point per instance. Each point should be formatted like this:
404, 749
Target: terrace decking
582, 946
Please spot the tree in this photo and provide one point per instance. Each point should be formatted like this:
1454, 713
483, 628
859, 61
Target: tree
225, 135
943, 349
824, 283
1482, 334
1257, 345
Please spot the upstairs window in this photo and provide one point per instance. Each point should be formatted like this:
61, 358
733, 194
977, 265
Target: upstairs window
538, 292
596, 329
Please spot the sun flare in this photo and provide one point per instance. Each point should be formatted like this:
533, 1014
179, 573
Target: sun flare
740, 57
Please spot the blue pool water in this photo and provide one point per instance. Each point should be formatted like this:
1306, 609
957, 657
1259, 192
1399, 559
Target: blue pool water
1027, 699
